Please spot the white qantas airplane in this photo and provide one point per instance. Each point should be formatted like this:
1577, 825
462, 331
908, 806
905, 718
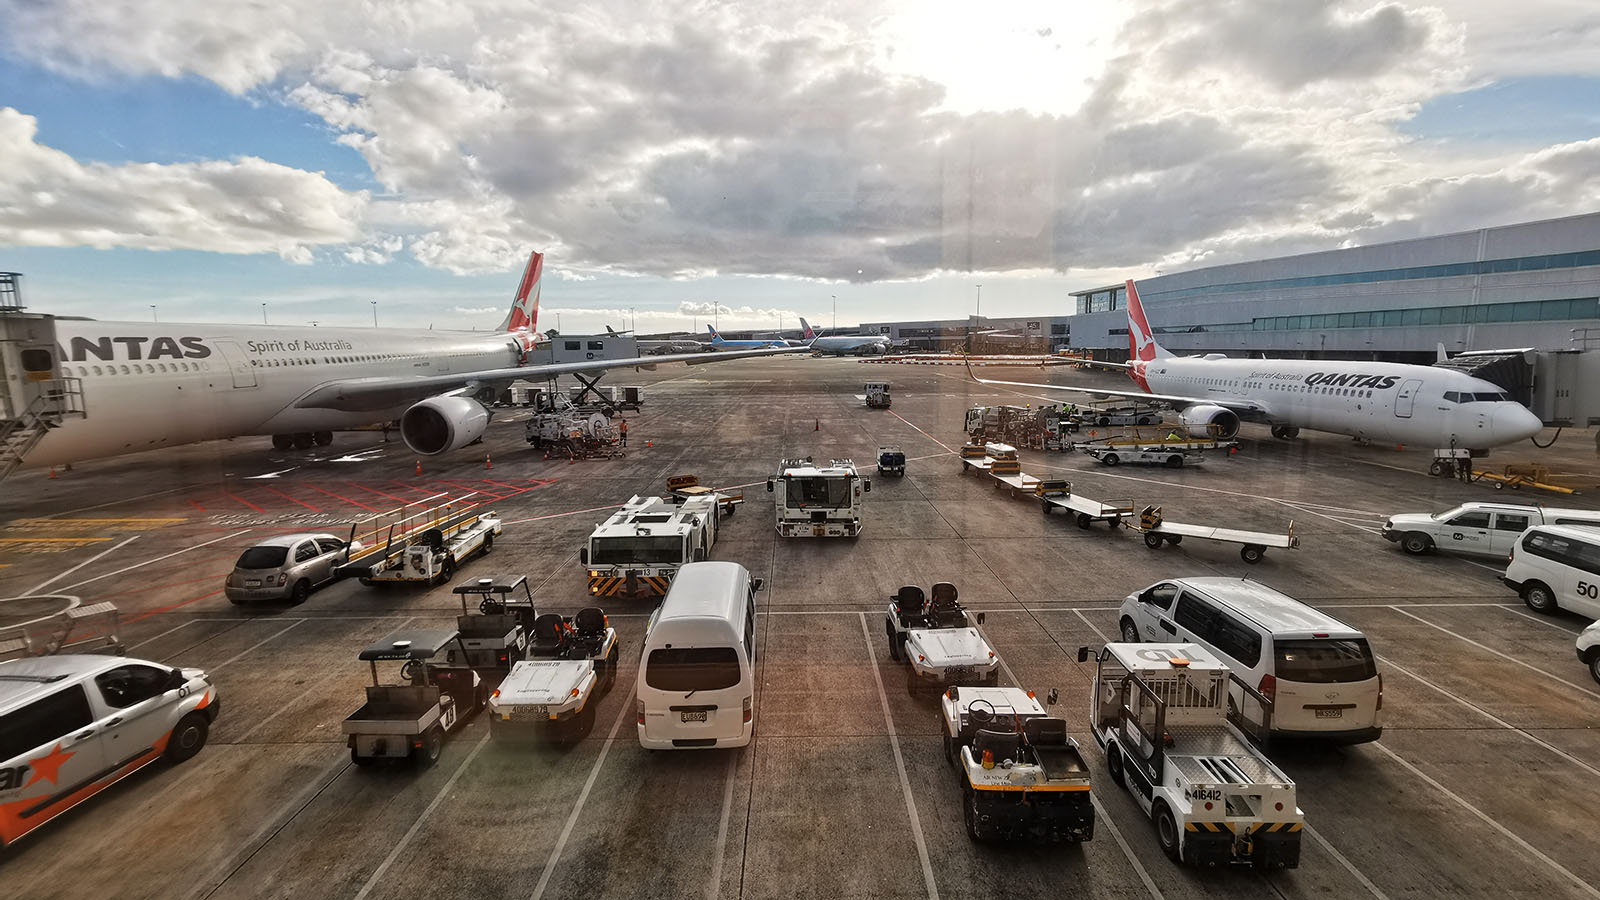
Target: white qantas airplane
1380, 401
161, 385
858, 344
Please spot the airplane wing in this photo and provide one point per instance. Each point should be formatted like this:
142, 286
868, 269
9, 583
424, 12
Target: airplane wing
367, 394
1233, 403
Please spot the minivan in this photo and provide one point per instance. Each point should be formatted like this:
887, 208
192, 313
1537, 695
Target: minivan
697, 670
1319, 674
1557, 567
72, 725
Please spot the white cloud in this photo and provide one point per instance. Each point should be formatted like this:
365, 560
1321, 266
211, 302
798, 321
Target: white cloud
246, 205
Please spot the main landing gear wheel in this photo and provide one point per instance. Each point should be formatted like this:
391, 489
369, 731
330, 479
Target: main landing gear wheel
283, 442
322, 438
1285, 432
303, 440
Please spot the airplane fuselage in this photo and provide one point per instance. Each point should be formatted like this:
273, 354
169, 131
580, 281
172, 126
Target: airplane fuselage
1388, 402
149, 385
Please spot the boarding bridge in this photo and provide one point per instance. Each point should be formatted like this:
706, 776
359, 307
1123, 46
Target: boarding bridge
34, 394
1562, 387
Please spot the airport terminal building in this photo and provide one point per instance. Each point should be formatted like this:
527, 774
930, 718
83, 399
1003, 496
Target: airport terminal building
1535, 285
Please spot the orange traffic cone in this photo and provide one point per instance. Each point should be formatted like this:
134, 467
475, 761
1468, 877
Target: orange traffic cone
648, 445
486, 463
419, 467
52, 471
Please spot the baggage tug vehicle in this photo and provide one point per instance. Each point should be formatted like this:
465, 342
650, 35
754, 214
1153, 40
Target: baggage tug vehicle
1160, 713
554, 694
1022, 777
937, 641
410, 720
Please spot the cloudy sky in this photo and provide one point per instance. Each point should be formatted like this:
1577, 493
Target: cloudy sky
761, 158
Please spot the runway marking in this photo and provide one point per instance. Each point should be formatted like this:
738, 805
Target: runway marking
1097, 631
256, 646
1484, 817
714, 884
583, 795
157, 559
921, 432
1505, 656
1542, 621
1340, 858
416, 826
900, 764
163, 634
44, 584
1491, 716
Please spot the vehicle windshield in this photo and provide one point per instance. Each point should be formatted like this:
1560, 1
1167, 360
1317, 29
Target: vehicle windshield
1323, 661
830, 491
692, 668
262, 558
613, 551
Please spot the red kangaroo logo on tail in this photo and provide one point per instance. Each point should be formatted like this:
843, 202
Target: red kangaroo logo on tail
1141, 339
524, 315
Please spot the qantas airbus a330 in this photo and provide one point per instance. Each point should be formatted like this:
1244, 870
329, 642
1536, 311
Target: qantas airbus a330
159, 385
1390, 402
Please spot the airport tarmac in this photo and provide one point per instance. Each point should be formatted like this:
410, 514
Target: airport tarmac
1483, 785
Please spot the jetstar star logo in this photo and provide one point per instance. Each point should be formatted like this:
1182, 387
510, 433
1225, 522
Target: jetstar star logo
48, 765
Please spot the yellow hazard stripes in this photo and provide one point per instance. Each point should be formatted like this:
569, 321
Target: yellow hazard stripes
1262, 828
617, 585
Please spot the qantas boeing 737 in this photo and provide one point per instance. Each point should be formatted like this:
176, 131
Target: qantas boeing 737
1390, 402
159, 385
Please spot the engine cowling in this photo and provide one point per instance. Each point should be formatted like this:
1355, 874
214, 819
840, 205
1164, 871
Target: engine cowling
440, 424
1215, 421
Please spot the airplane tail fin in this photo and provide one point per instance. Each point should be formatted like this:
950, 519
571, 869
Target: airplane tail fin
1141, 337
805, 330
524, 315
715, 338
611, 331
1440, 356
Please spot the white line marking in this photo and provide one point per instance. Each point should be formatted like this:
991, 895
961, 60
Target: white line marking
253, 647
1543, 621
1091, 625
164, 633
1491, 716
115, 502
156, 560
577, 808
900, 763
1332, 851
40, 587
714, 885
1532, 850
416, 826
1509, 658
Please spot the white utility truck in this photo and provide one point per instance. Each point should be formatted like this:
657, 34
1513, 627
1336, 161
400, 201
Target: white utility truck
637, 551
554, 694
876, 394
818, 501
1160, 713
1481, 529
1021, 775
937, 640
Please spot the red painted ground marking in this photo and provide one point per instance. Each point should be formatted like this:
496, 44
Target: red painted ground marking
144, 588
478, 490
196, 505
921, 432
155, 612
345, 499
291, 499
520, 490
378, 492
412, 487
244, 501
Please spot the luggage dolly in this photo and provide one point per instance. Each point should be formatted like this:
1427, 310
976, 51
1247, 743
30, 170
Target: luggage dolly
1156, 530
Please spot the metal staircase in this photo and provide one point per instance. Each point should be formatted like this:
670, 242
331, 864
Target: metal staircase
36, 395
63, 397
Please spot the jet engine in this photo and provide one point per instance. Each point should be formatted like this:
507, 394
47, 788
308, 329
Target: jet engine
1214, 421
439, 424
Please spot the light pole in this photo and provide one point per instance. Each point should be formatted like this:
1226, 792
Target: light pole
263, 314
980, 301
633, 324
374, 313
153, 313
835, 328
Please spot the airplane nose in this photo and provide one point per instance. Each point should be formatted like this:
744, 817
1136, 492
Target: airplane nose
1513, 422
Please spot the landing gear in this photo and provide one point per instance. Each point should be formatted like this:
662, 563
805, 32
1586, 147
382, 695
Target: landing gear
322, 438
1285, 432
302, 440
283, 442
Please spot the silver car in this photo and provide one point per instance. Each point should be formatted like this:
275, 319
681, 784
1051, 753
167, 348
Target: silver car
288, 567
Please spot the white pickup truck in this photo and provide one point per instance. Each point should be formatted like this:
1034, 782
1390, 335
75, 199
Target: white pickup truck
1482, 529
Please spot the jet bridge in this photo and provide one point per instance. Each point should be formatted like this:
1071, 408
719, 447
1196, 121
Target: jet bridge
35, 394
1562, 387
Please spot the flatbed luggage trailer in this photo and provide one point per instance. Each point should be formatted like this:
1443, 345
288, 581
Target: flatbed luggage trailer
1056, 493
1157, 530
1159, 711
423, 541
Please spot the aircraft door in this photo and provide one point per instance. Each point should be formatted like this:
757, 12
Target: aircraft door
243, 375
1406, 398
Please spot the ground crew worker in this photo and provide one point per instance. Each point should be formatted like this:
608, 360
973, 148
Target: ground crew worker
622, 430
1172, 435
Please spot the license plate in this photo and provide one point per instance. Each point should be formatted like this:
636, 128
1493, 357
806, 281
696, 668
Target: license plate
693, 715
530, 712
958, 672
1330, 713
252, 582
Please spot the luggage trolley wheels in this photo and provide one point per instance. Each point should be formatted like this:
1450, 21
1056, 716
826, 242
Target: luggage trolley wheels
1152, 540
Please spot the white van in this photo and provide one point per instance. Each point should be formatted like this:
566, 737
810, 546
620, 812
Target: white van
1557, 566
71, 726
1319, 673
697, 673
